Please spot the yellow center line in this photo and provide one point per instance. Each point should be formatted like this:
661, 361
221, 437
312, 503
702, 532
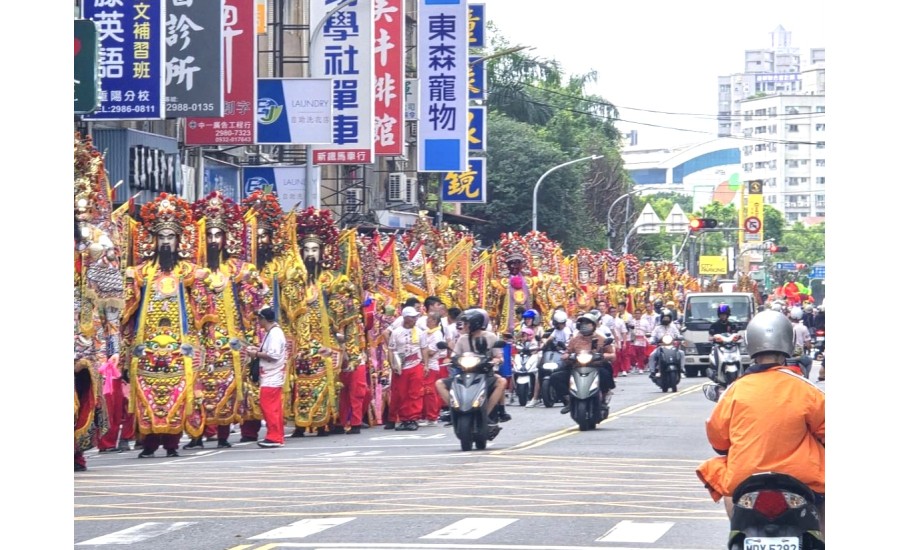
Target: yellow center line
571, 430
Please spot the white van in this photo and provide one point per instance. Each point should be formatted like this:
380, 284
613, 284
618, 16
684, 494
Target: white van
700, 313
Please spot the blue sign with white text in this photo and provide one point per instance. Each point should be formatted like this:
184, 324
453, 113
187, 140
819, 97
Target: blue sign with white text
131, 70
817, 272
786, 266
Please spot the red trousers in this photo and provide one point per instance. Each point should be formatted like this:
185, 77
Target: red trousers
410, 391
119, 418
431, 401
640, 356
273, 411
620, 365
352, 404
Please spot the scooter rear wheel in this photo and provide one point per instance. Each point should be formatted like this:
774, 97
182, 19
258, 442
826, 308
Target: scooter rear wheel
548, 394
464, 432
523, 392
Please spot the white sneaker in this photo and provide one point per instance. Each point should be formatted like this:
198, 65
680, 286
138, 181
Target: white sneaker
531, 404
422, 422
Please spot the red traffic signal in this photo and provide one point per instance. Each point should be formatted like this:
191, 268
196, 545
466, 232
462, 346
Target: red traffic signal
774, 249
703, 223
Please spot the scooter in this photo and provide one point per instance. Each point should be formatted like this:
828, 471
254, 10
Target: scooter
668, 364
819, 344
551, 361
525, 373
725, 359
588, 406
774, 510
469, 393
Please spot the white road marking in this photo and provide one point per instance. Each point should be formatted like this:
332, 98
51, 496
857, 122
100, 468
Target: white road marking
137, 533
302, 528
470, 528
443, 546
394, 437
348, 454
633, 531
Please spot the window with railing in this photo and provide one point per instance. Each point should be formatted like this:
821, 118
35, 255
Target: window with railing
793, 128
820, 180
820, 162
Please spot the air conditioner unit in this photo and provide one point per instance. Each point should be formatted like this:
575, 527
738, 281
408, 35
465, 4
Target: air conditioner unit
396, 187
411, 191
353, 201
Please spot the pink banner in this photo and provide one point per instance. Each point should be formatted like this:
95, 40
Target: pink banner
238, 126
389, 49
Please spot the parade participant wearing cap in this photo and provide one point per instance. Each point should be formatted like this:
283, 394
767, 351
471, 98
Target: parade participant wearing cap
407, 391
227, 289
157, 292
98, 300
272, 358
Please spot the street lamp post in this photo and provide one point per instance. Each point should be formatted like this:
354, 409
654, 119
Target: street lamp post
544, 175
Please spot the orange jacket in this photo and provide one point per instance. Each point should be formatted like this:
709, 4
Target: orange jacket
767, 421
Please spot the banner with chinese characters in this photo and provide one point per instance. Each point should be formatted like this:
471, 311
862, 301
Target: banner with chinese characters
237, 125
468, 186
194, 58
343, 52
476, 26
287, 182
131, 67
443, 72
390, 45
477, 77
293, 110
477, 129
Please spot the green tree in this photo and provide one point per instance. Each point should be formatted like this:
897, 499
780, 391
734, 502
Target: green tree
773, 224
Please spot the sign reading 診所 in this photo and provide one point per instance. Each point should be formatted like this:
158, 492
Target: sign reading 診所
194, 57
443, 33
237, 126
131, 67
343, 52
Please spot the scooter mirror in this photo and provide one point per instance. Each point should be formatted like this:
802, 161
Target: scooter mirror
711, 391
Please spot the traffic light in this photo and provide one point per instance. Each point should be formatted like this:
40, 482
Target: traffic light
703, 223
774, 249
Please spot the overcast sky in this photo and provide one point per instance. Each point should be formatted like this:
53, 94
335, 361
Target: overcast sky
656, 55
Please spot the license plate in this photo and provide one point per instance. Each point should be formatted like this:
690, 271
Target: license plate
523, 380
772, 543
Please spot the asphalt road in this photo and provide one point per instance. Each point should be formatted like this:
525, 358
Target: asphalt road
540, 485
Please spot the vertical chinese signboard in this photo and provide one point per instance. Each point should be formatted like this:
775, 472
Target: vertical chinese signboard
443, 72
237, 125
476, 26
390, 45
468, 185
194, 58
343, 52
754, 210
477, 129
131, 67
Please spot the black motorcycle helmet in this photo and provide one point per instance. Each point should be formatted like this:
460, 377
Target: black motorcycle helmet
476, 318
724, 309
666, 317
657, 306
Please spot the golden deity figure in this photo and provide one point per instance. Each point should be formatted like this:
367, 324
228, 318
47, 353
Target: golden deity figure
99, 298
546, 282
270, 235
317, 359
157, 306
224, 296
509, 285
585, 290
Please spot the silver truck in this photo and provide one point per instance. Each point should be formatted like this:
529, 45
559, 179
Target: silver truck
700, 313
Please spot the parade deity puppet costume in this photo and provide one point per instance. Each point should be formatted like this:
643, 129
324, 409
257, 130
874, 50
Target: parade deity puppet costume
545, 282
225, 299
585, 288
269, 234
314, 391
156, 292
510, 288
99, 297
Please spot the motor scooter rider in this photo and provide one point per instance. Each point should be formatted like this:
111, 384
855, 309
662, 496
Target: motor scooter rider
474, 322
772, 419
666, 327
561, 333
721, 326
587, 339
532, 319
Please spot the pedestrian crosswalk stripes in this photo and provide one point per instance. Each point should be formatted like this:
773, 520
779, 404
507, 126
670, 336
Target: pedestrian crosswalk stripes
466, 529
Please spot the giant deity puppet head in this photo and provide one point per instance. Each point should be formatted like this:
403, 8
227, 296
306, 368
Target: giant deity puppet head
587, 266
512, 255
265, 223
167, 232
317, 237
223, 226
92, 204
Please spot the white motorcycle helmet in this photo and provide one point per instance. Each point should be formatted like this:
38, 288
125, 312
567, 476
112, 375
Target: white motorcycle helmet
796, 313
559, 317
